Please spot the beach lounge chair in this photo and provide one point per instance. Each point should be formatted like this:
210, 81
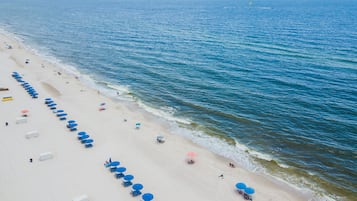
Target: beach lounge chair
127, 183
160, 139
73, 129
7, 98
119, 175
81, 198
135, 193
88, 145
63, 118
247, 197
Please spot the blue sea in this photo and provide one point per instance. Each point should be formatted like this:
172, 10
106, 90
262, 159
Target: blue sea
269, 84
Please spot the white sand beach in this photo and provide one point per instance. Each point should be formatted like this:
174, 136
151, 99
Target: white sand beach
75, 170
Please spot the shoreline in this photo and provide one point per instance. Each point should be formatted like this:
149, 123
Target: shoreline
78, 99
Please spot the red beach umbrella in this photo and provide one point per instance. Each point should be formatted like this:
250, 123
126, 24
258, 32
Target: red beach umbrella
191, 154
25, 111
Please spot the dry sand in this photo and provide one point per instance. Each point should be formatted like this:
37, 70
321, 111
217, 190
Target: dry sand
75, 170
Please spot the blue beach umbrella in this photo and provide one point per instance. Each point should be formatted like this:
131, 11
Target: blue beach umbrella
61, 114
59, 111
147, 196
137, 187
120, 172
128, 177
121, 169
86, 141
72, 125
82, 133
83, 137
241, 186
249, 191
71, 121
52, 104
114, 163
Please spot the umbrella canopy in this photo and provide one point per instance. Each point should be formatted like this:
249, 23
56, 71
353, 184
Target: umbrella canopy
61, 114
58, 111
128, 177
249, 190
83, 137
138, 187
72, 125
71, 121
241, 185
82, 133
87, 141
121, 169
114, 163
25, 111
191, 154
147, 196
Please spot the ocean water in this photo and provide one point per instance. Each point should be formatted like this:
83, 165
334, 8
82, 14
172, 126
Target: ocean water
270, 84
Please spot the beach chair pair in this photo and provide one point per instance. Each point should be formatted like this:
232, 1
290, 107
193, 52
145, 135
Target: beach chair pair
119, 175
127, 183
247, 197
135, 193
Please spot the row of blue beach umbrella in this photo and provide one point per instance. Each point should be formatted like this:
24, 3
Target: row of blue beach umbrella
85, 139
53, 106
71, 124
30, 90
244, 190
113, 166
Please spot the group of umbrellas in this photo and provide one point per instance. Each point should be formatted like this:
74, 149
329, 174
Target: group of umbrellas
83, 137
53, 106
127, 180
246, 191
30, 90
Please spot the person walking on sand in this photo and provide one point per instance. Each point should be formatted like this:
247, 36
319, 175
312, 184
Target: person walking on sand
6, 123
221, 176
